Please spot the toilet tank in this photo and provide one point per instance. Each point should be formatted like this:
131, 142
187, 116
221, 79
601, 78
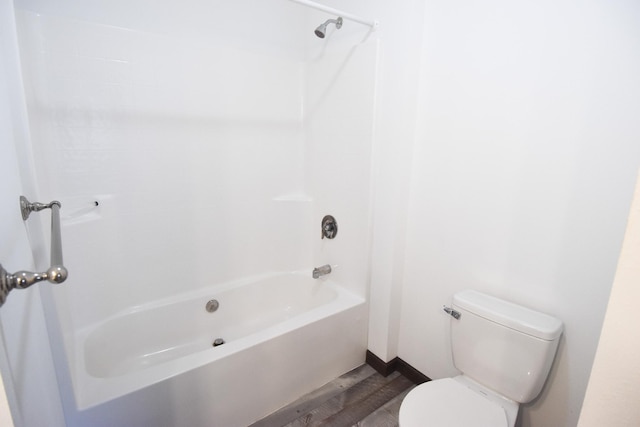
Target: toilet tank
503, 346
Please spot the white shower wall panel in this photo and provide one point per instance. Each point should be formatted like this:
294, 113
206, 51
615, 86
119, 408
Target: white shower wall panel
182, 142
339, 106
257, 25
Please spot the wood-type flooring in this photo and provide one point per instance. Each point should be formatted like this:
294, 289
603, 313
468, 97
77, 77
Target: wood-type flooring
361, 398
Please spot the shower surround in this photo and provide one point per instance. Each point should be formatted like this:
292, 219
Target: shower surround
188, 157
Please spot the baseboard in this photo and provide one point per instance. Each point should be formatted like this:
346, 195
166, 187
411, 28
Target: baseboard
383, 368
412, 373
396, 364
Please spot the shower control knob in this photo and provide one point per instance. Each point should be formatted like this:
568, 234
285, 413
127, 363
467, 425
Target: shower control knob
329, 227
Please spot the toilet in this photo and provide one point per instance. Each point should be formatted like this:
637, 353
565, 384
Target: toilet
504, 352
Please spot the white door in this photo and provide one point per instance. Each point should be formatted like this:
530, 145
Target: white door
26, 364
13, 249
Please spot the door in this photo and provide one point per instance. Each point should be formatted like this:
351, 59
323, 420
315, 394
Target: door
26, 364
13, 249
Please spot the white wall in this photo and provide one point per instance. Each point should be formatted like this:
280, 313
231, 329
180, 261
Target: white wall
339, 101
523, 171
255, 25
614, 384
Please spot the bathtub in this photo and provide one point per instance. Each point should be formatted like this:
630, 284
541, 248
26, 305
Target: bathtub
284, 335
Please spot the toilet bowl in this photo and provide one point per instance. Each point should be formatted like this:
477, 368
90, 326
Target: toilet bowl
456, 402
504, 351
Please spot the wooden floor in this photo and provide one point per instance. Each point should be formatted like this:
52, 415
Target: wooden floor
362, 398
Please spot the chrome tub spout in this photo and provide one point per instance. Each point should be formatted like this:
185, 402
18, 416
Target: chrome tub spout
321, 271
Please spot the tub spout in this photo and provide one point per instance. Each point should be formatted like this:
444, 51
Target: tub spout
321, 271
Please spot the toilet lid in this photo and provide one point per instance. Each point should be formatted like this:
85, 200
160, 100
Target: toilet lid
448, 403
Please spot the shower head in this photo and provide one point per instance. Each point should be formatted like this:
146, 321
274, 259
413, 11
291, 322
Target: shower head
321, 31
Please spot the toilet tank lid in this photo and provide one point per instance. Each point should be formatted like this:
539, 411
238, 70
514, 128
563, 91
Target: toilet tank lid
508, 314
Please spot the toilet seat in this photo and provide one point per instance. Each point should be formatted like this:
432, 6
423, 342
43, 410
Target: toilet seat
449, 403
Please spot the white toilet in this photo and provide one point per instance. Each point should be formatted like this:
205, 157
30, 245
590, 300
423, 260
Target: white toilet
504, 351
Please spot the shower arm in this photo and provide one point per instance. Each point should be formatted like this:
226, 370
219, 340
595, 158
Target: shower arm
371, 23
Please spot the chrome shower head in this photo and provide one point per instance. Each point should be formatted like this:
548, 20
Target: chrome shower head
321, 31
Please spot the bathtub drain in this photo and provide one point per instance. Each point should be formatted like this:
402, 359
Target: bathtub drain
217, 342
212, 305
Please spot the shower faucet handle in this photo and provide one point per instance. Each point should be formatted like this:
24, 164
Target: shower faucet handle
329, 227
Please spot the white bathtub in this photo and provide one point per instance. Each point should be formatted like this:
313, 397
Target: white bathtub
285, 334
